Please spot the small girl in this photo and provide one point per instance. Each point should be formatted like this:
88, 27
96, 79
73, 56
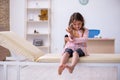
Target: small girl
76, 43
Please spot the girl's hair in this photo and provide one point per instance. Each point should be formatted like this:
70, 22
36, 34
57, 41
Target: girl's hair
77, 17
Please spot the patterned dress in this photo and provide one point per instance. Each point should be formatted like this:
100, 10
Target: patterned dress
80, 42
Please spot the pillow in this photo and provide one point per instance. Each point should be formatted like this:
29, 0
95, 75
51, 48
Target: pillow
19, 45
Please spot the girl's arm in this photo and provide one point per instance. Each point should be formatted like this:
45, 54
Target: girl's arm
70, 37
82, 39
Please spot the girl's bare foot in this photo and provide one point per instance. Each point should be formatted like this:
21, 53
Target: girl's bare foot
60, 69
70, 68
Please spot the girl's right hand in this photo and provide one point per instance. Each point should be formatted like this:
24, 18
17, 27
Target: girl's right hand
69, 30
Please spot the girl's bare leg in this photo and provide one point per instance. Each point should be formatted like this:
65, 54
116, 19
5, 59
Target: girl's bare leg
75, 60
63, 62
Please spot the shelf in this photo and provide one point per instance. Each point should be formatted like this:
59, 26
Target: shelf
36, 8
38, 23
42, 47
38, 34
38, 3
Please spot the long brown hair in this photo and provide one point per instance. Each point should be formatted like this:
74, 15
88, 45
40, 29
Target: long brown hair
77, 17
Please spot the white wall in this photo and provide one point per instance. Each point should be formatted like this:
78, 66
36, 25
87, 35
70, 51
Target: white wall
100, 14
17, 16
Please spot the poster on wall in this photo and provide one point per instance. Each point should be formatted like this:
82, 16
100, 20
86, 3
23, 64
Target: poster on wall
4, 15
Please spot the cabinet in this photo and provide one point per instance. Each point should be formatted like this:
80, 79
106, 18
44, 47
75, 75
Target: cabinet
38, 23
101, 45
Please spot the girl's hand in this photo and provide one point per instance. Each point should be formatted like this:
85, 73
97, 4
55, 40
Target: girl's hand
66, 39
70, 28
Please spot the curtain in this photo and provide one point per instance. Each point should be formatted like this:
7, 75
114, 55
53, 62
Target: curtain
4, 15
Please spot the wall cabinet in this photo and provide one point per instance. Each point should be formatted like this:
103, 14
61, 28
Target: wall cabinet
38, 23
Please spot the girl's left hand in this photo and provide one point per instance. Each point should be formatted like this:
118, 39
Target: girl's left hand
66, 39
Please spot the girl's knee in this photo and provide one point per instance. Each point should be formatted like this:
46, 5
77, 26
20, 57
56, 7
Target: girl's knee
75, 53
66, 54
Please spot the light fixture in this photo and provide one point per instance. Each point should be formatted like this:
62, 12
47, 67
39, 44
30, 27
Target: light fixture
84, 2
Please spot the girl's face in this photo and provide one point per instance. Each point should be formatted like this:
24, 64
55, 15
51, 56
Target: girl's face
77, 25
